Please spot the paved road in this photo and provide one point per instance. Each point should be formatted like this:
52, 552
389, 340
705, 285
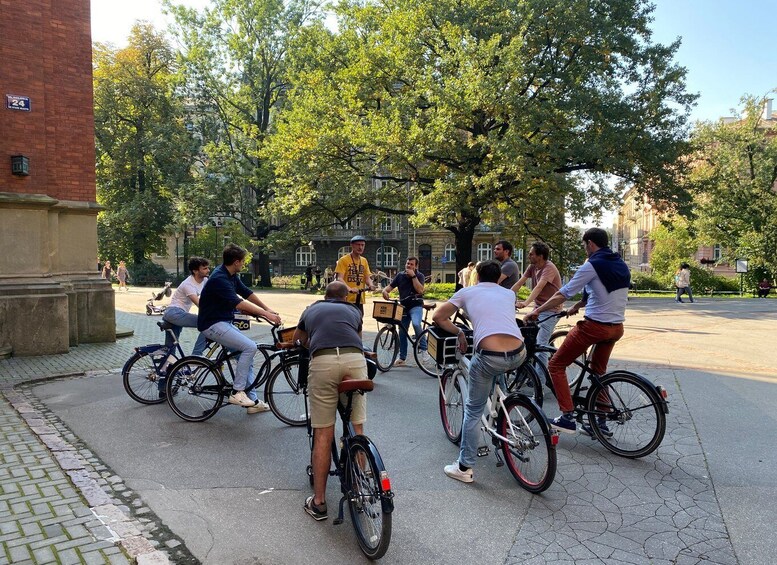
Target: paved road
232, 488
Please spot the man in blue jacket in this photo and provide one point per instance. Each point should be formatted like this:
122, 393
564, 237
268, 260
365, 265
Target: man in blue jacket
224, 294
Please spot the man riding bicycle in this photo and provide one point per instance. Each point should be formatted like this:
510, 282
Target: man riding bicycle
605, 279
411, 289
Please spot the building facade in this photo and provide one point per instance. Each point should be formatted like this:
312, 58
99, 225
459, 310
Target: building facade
51, 296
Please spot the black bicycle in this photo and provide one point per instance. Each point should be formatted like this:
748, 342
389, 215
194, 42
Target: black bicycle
364, 481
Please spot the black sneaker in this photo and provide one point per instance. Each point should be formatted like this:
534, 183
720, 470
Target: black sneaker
318, 512
601, 423
564, 423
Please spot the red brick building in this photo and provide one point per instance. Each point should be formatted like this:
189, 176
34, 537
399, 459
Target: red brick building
51, 296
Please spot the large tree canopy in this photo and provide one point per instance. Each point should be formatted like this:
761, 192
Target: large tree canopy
734, 180
489, 109
144, 151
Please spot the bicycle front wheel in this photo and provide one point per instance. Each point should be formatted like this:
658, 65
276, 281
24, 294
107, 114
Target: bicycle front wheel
528, 451
195, 389
141, 381
386, 347
525, 380
285, 395
365, 502
575, 370
425, 361
452, 404
626, 414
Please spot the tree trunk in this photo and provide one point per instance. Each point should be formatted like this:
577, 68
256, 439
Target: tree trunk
262, 266
464, 232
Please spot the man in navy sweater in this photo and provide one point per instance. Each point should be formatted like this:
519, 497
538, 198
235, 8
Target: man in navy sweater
224, 294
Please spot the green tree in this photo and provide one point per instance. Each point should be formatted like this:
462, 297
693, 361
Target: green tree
144, 151
490, 109
733, 181
234, 62
673, 244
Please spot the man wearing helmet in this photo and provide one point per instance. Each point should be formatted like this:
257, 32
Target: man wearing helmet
354, 270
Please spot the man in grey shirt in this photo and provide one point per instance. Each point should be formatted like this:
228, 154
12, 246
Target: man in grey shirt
503, 252
331, 329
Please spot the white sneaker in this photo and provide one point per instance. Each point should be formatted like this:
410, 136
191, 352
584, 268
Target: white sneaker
258, 407
241, 399
454, 472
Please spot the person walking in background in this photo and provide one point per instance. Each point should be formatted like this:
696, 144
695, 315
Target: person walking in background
123, 275
683, 282
317, 273
473, 276
107, 271
464, 274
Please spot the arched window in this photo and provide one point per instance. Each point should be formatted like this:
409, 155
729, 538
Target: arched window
450, 253
484, 252
386, 257
305, 256
343, 251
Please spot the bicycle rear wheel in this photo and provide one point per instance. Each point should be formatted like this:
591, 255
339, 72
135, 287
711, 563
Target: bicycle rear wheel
365, 501
452, 404
632, 418
525, 380
529, 450
386, 347
285, 395
195, 389
425, 361
141, 381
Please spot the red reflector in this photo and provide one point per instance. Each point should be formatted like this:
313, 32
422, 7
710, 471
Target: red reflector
385, 484
554, 439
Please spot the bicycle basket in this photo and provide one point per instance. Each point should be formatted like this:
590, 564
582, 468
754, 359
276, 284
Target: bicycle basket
529, 333
286, 334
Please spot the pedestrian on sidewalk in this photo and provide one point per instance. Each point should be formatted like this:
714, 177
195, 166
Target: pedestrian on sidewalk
683, 282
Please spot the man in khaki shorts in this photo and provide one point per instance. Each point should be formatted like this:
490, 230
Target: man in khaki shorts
331, 329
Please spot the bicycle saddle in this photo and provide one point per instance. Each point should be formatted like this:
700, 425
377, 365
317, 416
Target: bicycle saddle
353, 385
164, 325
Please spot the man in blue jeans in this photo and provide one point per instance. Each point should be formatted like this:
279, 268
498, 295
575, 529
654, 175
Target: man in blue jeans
411, 289
224, 294
498, 349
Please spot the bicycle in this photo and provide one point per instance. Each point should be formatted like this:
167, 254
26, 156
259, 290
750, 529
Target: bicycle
386, 344
516, 425
364, 481
143, 372
196, 386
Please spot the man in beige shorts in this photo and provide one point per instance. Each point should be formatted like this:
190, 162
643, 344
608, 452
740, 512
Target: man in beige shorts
331, 330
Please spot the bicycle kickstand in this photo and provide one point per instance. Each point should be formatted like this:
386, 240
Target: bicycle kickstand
339, 519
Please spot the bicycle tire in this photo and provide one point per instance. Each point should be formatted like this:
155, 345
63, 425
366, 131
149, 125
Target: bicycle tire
530, 454
422, 358
195, 388
635, 418
263, 373
451, 404
526, 381
140, 377
386, 347
371, 522
574, 371
285, 395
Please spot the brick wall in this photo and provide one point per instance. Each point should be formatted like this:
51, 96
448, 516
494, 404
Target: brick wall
46, 54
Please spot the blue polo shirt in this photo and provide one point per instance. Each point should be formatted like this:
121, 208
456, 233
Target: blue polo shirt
219, 297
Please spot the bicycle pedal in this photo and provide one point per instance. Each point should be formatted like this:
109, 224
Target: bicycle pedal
499, 461
483, 450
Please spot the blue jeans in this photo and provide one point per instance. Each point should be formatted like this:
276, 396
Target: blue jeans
413, 315
543, 336
180, 318
230, 337
483, 371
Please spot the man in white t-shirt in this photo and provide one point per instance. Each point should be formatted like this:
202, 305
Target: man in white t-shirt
188, 293
498, 349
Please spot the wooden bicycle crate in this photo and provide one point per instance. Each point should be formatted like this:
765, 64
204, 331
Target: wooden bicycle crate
286, 334
442, 345
387, 311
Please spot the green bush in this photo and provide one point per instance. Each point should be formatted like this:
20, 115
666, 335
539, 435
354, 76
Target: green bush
149, 273
644, 281
703, 280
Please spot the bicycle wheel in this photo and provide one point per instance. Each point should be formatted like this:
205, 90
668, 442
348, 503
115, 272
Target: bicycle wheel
574, 371
264, 368
285, 395
387, 347
422, 358
365, 502
525, 380
141, 380
633, 423
195, 389
529, 452
452, 404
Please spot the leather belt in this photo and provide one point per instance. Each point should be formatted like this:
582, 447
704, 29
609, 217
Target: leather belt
499, 353
336, 351
603, 323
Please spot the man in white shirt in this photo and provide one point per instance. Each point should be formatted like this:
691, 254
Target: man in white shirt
498, 349
188, 293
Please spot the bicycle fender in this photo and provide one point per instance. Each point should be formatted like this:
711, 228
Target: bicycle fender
658, 390
386, 496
